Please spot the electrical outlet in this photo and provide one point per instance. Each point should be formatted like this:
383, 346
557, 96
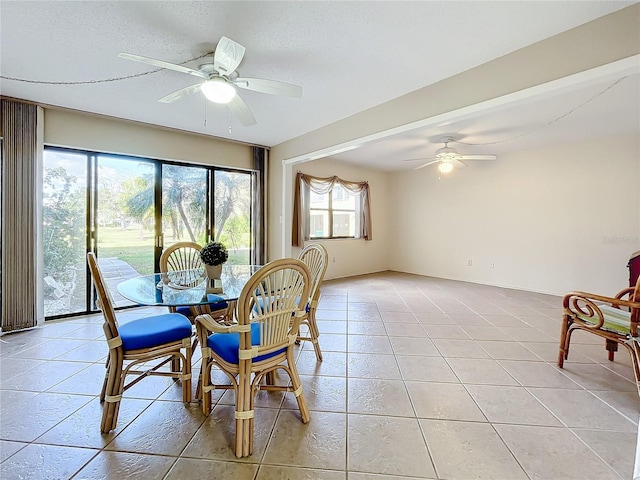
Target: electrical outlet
492, 265
469, 263
334, 259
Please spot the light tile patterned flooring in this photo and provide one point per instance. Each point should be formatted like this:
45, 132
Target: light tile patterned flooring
422, 378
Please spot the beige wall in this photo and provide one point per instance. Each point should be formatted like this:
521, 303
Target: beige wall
73, 129
551, 220
355, 256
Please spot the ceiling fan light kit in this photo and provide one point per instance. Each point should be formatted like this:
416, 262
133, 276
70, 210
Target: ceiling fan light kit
217, 90
445, 166
447, 158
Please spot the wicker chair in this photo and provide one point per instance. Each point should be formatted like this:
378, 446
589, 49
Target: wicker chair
159, 337
261, 342
315, 256
186, 256
613, 318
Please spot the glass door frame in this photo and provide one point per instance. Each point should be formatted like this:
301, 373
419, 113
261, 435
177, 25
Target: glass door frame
92, 195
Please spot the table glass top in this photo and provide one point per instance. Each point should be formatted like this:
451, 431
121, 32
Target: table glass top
185, 287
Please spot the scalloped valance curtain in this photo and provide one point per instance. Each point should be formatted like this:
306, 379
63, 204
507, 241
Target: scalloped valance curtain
305, 183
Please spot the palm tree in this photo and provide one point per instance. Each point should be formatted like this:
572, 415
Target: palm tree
232, 196
184, 199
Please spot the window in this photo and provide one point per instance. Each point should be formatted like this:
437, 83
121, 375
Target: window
333, 214
330, 208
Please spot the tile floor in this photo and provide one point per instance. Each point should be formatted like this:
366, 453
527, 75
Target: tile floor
422, 378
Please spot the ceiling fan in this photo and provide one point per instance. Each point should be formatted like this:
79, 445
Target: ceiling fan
220, 79
448, 158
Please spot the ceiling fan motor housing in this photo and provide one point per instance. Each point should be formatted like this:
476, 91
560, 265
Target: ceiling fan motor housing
447, 152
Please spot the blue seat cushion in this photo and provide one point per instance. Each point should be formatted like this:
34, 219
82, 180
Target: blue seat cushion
217, 303
155, 330
227, 345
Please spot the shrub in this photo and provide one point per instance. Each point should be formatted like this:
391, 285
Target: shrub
214, 253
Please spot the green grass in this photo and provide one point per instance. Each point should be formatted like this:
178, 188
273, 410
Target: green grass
128, 245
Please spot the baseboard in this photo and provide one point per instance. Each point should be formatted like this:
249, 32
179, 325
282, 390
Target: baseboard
489, 284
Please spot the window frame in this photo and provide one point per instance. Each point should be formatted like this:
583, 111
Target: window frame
91, 158
331, 211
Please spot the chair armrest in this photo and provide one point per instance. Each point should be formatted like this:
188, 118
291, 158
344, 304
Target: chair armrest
593, 297
208, 323
585, 305
627, 291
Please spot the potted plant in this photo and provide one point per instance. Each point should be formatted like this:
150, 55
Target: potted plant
213, 255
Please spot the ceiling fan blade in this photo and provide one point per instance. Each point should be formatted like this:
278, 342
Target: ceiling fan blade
172, 97
458, 163
241, 111
478, 157
427, 164
272, 87
160, 63
227, 56
421, 159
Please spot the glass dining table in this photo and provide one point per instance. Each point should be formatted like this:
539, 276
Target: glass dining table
187, 288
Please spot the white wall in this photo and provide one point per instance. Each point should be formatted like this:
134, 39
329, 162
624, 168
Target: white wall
356, 256
552, 220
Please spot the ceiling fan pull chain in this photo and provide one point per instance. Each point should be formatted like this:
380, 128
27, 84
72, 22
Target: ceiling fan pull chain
205, 114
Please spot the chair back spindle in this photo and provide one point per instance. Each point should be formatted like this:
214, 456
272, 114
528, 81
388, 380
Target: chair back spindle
316, 257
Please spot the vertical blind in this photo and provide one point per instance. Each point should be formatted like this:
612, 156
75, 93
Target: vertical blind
19, 219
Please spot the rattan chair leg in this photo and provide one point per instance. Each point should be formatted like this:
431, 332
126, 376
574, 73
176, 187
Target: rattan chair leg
564, 349
243, 402
239, 452
205, 382
251, 420
175, 364
186, 374
106, 377
199, 387
315, 333
115, 387
316, 347
634, 350
270, 377
612, 348
296, 385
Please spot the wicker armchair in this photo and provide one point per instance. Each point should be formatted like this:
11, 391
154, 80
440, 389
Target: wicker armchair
165, 337
315, 256
260, 343
186, 256
613, 318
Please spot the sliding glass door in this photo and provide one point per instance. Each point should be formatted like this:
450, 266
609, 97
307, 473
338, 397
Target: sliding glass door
64, 231
184, 204
233, 225
124, 222
127, 210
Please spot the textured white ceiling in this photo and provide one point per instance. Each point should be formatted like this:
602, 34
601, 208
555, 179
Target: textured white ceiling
348, 56
610, 107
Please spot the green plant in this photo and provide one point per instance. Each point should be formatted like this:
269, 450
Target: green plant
214, 253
